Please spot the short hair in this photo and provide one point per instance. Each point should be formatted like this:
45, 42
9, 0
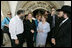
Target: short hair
39, 15
20, 11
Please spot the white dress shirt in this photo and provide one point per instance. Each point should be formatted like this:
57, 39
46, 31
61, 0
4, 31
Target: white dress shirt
15, 27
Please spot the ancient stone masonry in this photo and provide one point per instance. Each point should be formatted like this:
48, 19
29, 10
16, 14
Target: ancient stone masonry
31, 5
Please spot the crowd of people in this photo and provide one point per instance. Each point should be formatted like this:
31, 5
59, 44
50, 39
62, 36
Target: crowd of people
53, 28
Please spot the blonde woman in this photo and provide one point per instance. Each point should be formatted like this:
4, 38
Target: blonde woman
42, 29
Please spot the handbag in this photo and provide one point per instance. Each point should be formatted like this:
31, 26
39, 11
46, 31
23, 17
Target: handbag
5, 28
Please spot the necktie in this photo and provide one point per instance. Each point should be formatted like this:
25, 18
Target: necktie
53, 22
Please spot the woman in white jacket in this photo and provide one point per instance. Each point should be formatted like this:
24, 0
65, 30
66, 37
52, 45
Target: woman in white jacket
42, 29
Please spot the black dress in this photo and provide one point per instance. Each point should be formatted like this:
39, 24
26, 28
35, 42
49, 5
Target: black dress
28, 34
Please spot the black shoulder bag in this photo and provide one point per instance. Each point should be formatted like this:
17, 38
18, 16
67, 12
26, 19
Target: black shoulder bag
5, 28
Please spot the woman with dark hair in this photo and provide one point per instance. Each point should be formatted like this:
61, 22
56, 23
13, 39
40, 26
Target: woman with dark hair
38, 19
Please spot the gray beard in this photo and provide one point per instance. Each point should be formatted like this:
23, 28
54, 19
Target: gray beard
21, 18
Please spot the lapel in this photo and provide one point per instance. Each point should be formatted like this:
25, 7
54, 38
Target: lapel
65, 23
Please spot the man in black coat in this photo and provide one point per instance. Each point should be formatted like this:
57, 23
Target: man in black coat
62, 35
52, 20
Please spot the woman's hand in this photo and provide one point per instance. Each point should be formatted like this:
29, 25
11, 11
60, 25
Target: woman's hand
32, 31
40, 30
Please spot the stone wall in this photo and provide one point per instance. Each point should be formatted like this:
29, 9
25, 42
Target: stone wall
5, 7
33, 5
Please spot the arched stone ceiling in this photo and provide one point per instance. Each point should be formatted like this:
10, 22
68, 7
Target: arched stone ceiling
33, 5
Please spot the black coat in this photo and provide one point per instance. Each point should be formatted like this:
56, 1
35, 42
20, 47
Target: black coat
28, 26
63, 34
50, 19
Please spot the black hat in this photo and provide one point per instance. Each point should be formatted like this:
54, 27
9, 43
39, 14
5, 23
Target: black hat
65, 8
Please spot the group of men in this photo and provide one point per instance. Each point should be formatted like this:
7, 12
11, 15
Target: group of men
60, 34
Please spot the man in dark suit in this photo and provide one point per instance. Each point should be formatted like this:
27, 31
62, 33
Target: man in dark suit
52, 20
62, 35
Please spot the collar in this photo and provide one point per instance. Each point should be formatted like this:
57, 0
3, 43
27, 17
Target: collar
18, 17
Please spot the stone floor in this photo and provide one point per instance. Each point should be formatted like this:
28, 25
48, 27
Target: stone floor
7, 42
24, 45
9, 45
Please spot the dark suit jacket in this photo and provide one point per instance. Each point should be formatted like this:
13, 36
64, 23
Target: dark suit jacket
50, 18
63, 34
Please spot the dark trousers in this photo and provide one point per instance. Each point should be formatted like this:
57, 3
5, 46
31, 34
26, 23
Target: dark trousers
49, 37
8, 34
20, 38
30, 41
2, 33
1, 37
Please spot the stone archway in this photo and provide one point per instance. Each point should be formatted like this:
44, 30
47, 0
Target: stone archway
38, 11
33, 5
5, 7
